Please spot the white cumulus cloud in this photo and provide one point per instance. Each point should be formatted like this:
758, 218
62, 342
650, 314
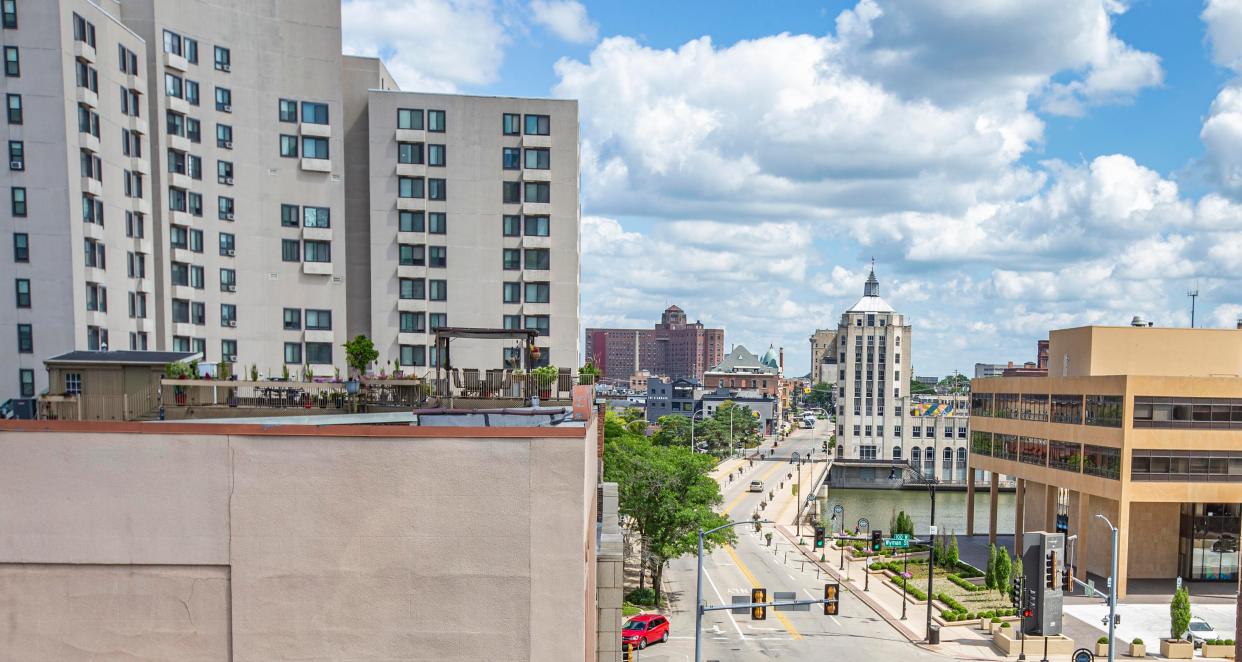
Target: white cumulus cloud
566, 19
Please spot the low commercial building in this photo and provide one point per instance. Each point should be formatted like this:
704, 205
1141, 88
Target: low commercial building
676, 397
236, 540
764, 407
1142, 425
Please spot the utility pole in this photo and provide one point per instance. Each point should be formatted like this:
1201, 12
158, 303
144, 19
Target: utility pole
1193, 294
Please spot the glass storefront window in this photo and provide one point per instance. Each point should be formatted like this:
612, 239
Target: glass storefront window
1209, 541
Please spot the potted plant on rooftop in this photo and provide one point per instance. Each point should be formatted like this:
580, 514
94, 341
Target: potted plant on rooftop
544, 376
359, 353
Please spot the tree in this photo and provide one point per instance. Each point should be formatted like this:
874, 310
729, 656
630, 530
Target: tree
673, 430
952, 554
1179, 613
588, 374
1003, 568
820, 396
904, 524
360, 353
989, 575
919, 388
665, 494
955, 383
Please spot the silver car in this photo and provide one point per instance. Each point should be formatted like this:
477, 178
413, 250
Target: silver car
1200, 631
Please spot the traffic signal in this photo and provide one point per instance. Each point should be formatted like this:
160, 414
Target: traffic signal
877, 541
1050, 570
1027, 613
758, 612
825, 447
819, 537
1067, 579
832, 603
1015, 593
627, 652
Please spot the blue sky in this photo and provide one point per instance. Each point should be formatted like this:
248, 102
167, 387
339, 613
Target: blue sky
1014, 165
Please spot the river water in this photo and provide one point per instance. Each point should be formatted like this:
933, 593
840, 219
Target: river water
881, 507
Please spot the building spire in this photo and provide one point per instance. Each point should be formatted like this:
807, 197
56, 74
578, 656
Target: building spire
872, 288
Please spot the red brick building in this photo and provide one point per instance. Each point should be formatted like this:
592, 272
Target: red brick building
673, 348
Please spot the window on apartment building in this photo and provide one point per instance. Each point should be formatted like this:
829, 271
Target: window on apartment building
21, 247
95, 255
198, 313
17, 155
410, 221
512, 260
411, 322
511, 322
510, 124
537, 226
225, 208
316, 217
413, 355
135, 224
537, 292
512, 292
193, 130
316, 251
540, 323
181, 343
17, 201
224, 136
228, 350
22, 288
180, 273
224, 172
437, 290
25, 338
538, 158
287, 110
410, 153
511, 158
290, 250
412, 288
224, 100
292, 319
172, 43
314, 147
411, 255
293, 353
83, 31
437, 155
437, 257
437, 320
173, 85
8, 8
288, 146
511, 225
88, 121
410, 118
318, 320
126, 60
538, 192
314, 113
223, 59
511, 193
136, 265
437, 222
194, 203
436, 121
437, 189
174, 124
319, 353
26, 382
289, 215
191, 50
197, 281
86, 76
196, 240
13, 104
138, 341
538, 125
410, 187
96, 297
538, 258
191, 94
228, 244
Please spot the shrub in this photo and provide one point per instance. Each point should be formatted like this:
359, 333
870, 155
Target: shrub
1229, 642
877, 566
970, 615
642, 596
910, 588
965, 584
1179, 614
1136, 642
1102, 640
989, 575
996, 620
1005, 624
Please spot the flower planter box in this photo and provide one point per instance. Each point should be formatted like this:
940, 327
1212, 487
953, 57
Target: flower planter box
1177, 649
1101, 650
1217, 650
1138, 650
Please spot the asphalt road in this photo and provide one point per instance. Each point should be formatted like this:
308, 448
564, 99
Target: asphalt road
855, 634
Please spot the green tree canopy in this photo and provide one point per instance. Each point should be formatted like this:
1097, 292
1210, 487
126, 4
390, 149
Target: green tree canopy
665, 495
820, 396
1179, 613
360, 353
958, 383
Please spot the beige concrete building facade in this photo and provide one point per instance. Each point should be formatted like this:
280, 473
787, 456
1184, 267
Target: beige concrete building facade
78, 265
1142, 425
823, 347
263, 543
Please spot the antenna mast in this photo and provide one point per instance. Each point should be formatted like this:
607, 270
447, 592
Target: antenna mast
1193, 294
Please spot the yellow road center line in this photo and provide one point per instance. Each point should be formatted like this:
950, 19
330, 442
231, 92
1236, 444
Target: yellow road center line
793, 632
733, 504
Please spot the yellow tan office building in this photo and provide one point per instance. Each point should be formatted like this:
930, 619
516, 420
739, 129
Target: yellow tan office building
1140, 424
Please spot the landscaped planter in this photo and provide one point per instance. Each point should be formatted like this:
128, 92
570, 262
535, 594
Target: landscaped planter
1217, 650
1138, 650
1177, 649
1101, 650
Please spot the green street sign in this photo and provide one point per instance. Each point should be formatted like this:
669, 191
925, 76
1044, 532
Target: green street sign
901, 536
897, 543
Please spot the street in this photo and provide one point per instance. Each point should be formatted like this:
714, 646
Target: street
856, 633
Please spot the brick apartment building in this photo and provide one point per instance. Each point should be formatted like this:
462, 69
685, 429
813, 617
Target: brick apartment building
673, 348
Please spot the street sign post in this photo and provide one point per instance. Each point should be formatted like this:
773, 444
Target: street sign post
896, 543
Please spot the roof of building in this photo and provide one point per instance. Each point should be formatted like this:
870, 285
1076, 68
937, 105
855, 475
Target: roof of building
673, 309
121, 357
871, 301
741, 359
771, 359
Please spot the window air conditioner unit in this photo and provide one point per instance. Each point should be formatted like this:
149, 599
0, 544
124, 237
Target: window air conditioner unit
231, 288
227, 108
228, 216
228, 144
228, 180
17, 165
232, 322
230, 252
231, 358
225, 67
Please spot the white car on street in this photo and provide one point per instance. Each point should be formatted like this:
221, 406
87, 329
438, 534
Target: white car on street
1200, 631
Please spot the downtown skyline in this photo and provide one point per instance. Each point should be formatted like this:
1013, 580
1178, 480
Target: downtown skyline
772, 156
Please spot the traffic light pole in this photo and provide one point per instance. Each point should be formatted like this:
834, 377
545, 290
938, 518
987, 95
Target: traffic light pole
699, 607
1112, 592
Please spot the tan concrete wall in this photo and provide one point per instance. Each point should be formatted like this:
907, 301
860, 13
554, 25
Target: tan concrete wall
1152, 522
339, 547
104, 613
1100, 537
1125, 350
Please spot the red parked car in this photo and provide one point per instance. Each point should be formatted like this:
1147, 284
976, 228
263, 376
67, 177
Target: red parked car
644, 629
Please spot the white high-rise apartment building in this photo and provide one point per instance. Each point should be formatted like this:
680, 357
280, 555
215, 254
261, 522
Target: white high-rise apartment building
216, 177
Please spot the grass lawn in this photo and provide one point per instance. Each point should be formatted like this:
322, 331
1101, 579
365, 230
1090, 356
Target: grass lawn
973, 601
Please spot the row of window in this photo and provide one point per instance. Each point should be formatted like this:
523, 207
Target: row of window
418, 187
315, 319
518, 192
418, 322
535, 258
412, 119
419, 221
420, 288
412, 153
195, 312
187, 48
291, 216
1098, 410
1089, 459
420, 255
1186, 466
1185, 412
312, 112
191, 203
513, 225
306, 250
536, 158
313, 147
309, 353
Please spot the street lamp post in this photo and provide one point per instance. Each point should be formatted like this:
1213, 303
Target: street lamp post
700, 412
698, 586
1112, 590
931, 538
